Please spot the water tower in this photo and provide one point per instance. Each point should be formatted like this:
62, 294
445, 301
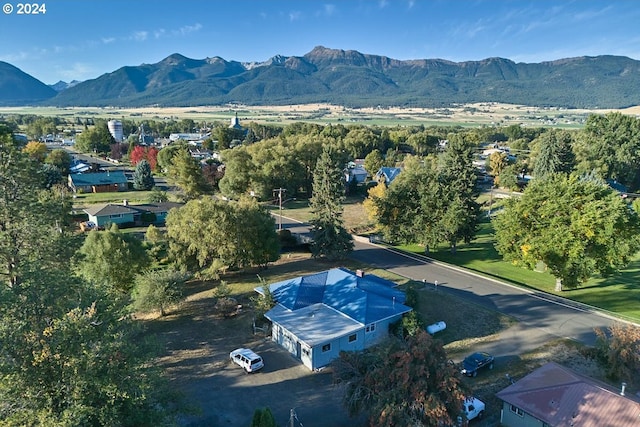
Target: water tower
115, 129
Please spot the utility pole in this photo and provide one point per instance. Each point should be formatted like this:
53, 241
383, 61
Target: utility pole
280, 191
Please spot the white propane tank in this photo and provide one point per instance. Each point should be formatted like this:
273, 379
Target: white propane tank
436, 327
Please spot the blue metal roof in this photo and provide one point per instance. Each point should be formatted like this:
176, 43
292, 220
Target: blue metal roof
389, 173
365, 299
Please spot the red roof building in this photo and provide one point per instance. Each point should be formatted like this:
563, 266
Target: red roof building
556, 396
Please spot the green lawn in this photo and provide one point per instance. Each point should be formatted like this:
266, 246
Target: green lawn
619, 294
134, 197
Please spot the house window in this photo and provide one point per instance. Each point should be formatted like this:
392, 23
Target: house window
115, 216
326, 348
305, 351
353, 337
545, 425
370, 328
517, 411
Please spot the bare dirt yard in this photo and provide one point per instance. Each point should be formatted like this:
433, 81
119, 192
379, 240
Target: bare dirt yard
198, 341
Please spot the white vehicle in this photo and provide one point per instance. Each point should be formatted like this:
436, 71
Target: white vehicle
246, 359
473, 408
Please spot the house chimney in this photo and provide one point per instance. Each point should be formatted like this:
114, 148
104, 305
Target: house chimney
360, 273
125, 202
624, 386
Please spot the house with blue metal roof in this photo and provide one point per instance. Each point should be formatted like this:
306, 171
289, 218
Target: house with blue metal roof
319, 315
387, 175
98, 182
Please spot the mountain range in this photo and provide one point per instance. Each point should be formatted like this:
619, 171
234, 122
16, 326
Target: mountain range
342, 77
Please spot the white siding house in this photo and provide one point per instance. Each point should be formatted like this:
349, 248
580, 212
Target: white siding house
320, 315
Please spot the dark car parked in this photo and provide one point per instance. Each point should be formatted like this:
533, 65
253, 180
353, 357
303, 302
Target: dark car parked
476, 361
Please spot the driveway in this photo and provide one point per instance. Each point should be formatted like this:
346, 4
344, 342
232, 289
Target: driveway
228, 396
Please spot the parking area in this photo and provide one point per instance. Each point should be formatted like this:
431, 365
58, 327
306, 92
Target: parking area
228, 396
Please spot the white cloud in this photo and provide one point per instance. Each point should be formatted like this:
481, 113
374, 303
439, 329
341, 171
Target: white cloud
140, 36
295, 15
76, 71
328, 9
188, 29
108, 40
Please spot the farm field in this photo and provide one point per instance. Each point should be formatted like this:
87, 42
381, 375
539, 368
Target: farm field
472, 115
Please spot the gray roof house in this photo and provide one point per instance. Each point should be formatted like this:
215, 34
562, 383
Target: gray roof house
556, 396
319, 315
98, 182
126, 214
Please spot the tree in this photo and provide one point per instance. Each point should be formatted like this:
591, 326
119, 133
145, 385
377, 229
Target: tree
158, 290
69, 355
51, 175
95, 140
461, 217
619, 350
61, 159
373, 162
330, 238
212, 235
32, 218
187, 174
139, 153
263, 417
405, 381
498, 161
554, 153
576, 227
158, 196
610, 145
370, 204
37, 150
142, 178
111, 258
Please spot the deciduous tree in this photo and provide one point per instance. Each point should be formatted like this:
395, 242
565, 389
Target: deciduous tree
61, 159
576, 227
158, 290
619, 350
112, 259
403, 382
37, 150
212, 235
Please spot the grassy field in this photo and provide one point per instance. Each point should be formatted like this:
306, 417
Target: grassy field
472, 115
618, 294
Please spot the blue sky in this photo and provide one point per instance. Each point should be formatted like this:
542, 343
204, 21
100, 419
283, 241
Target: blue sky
82, 39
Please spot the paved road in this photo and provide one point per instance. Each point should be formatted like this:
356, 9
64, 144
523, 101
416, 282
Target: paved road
541, 317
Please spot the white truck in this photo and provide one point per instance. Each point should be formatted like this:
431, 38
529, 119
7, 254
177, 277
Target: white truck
473, 408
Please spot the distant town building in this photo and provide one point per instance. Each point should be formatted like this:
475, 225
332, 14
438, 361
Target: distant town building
188, 136
115, 129
235, 123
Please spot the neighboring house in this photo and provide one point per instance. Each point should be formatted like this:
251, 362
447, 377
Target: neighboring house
129, 215
387, 175
555, 396
319, 315
355, 173
98, 182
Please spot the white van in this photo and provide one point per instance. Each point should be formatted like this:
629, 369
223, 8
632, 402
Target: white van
246, 359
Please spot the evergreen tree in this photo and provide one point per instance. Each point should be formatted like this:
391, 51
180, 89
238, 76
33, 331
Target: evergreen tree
555, 153
330, 238
142, 178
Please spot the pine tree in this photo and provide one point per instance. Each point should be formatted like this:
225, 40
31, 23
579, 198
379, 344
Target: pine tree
142, 178
330, 238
